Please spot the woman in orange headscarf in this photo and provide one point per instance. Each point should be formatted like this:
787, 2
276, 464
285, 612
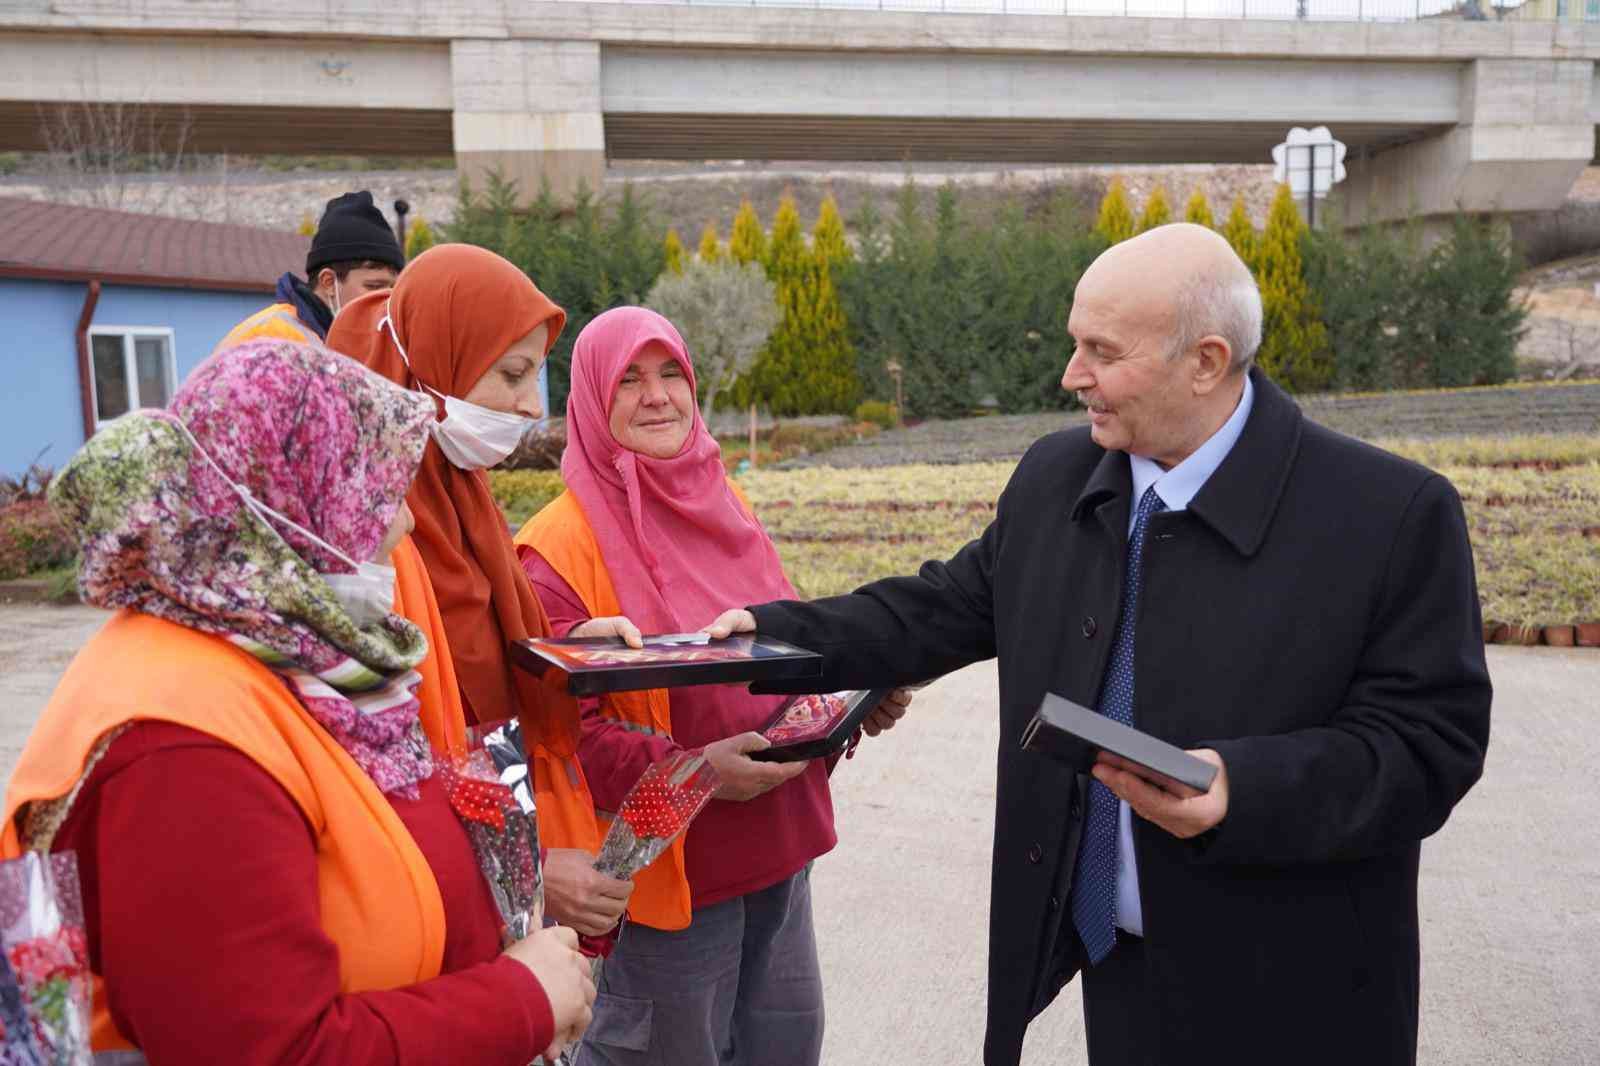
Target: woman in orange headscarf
468, 328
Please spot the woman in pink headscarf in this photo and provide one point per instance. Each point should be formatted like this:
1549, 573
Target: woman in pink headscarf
719, 959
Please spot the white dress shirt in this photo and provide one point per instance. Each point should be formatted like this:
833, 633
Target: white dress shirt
1176, 487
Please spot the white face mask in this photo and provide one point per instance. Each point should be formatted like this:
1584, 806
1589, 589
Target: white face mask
366, 595
471, 436
338, 299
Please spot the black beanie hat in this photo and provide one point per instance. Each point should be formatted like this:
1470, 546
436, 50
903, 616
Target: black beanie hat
352, 228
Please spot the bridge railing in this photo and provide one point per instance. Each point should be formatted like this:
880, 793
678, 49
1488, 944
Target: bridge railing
1308, 10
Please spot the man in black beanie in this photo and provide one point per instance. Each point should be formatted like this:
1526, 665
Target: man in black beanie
354, 252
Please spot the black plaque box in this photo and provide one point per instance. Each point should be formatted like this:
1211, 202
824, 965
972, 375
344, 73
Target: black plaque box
1076, 735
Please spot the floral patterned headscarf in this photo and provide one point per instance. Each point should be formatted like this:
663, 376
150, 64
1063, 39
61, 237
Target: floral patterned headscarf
328, 445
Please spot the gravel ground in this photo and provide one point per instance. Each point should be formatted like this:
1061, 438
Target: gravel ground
1510, 930
1564, 408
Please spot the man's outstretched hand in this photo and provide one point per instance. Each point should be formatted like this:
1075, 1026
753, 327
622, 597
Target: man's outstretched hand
887, 713
728, 623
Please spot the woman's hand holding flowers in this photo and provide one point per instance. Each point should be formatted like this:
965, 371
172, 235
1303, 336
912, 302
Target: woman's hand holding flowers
577, 894
564, 973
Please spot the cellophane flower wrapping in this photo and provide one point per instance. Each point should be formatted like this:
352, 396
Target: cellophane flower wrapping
490, 795
46, 994
655, 812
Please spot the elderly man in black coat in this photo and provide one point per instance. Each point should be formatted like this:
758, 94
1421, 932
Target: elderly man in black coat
1205, 564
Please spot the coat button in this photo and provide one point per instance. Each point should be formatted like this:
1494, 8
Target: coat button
1055, 902
1090, 627
1036, 854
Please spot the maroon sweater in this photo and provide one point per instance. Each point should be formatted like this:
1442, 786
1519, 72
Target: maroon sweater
200, 892
731, 849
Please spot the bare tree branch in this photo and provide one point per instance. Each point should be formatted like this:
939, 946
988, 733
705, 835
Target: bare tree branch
128, 157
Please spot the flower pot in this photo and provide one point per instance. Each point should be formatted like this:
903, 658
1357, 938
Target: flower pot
1518, 635
1560, 636
1588, 634
1489, 630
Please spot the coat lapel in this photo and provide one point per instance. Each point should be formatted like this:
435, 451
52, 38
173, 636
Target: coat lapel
1092, 570
1240, 499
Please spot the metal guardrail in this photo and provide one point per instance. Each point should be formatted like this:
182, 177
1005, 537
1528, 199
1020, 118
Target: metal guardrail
1287, 10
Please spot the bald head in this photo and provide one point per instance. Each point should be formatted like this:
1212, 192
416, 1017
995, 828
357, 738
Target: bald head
1190, 278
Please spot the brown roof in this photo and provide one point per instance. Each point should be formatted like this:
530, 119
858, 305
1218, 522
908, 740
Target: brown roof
70, 243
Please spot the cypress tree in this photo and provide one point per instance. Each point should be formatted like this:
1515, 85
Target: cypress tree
834, 352
1156, 211
710, 250
1115, 223
672, 249
748, 244
808, 365
786, 250
1294, 346
419, 238
1198, 211
828, 237
1240, 233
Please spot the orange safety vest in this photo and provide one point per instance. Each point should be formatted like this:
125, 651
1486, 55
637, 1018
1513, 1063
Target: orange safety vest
443, 717
561, 533
281, 321
379, 900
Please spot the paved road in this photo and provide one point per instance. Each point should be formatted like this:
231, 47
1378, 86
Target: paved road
1510, 893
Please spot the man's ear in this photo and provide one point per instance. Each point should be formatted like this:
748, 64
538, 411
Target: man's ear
1214, 358
316, 279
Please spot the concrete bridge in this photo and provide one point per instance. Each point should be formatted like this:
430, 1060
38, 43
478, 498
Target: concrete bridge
1438, 113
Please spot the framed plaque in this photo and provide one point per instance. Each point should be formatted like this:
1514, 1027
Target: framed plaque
816, 726
592, 666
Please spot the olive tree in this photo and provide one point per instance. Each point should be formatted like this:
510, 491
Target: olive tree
725, 311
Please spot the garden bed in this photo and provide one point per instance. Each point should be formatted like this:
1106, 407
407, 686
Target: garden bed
1532, 503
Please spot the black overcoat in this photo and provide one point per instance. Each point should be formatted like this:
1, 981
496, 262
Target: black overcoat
1313, 616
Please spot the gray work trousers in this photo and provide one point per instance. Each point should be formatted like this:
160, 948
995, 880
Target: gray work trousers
739, 987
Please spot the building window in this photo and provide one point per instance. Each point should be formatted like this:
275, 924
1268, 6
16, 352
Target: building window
133, 368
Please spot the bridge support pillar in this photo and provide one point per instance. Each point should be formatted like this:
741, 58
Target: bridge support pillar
531, 110
1525, 136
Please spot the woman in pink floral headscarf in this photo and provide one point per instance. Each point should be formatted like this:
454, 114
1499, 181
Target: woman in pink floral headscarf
271, 871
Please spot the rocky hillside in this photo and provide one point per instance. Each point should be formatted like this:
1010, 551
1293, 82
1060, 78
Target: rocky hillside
686, 196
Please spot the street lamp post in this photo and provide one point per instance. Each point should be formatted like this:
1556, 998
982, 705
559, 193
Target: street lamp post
894, 370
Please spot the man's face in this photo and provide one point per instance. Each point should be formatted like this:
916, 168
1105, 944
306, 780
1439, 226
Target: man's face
1138, 399
360, 281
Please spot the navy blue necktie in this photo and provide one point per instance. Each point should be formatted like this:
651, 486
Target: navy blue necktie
1094, 879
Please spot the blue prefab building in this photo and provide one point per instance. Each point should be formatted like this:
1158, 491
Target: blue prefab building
106, 311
